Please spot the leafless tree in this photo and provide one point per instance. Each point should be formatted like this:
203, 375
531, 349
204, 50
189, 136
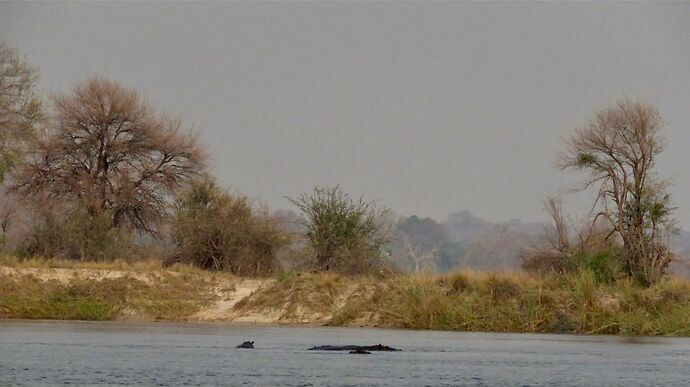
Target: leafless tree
618, 148
566, 243
20, 108
556, 232
422, 259
107, 150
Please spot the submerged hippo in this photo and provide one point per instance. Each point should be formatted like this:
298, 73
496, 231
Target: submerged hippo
246, 344
377, 347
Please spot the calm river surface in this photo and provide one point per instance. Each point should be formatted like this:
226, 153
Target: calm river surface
51, 352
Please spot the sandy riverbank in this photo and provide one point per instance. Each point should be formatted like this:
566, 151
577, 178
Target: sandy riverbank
468, 301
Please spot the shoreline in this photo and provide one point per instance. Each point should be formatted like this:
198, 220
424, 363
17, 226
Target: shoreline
537, 336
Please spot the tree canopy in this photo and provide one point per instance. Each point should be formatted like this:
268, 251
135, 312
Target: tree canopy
108, 150
20, 107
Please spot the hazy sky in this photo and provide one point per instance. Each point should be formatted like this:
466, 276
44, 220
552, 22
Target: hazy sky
431, 108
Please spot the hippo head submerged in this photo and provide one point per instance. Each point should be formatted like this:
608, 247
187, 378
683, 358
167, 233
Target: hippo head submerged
246, 344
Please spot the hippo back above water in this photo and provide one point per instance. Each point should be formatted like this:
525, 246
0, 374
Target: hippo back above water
377, 347
246, 344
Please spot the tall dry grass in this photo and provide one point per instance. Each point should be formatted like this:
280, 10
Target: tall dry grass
141, 265
465, 300
141, 293
516, 302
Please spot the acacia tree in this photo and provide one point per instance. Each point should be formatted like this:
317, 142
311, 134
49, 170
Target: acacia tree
108, 151
618, 148
345, 235
20, 108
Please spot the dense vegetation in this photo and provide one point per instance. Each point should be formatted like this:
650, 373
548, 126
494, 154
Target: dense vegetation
218, 231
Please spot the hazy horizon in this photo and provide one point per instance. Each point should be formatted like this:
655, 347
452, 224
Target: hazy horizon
430, 109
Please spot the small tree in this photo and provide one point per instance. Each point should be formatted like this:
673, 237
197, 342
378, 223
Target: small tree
345, 235
106, 150
618, 148
218, 231
20, 108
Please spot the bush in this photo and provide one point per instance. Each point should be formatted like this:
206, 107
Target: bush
71, 233
544, 262
604, 266
502, 288
217, 231
345, 235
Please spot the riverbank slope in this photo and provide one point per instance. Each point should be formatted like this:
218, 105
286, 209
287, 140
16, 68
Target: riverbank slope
468, 301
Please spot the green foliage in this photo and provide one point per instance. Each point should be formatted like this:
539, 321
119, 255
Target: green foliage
285, 275
20, 108
345, 235
604, 266
215, 230
585, 159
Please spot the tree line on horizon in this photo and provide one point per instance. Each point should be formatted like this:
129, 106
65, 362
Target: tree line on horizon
98, 174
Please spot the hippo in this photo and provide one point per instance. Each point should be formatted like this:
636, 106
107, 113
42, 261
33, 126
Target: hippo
377, 347
246, 344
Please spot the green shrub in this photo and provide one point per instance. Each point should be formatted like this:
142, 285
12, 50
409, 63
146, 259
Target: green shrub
603, 265
285, 275
345, 235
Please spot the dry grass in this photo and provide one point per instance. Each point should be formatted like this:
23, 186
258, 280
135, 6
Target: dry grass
297, 297
516, 302
118, 264
465, 300
155, 295
144, 265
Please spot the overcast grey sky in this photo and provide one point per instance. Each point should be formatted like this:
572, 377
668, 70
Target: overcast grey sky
431, 108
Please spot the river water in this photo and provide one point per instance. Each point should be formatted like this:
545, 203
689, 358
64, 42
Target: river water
51, 352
